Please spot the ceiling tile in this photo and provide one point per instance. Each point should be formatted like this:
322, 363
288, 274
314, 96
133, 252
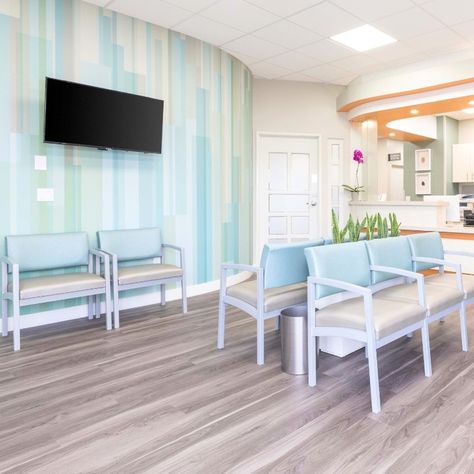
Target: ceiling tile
284, 8
191, 5
157, 12
408, 23
391, 52
452, 11
439, 41
256, 47
465, 29
358, 63
240, 15
370, 10
267, 70
326, 19
247, 60
326, 51
287, 34
297, 76
343, 81
208, 30
326, 72
293, 61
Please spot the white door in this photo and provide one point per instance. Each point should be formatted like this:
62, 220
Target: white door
287, 189
396, 191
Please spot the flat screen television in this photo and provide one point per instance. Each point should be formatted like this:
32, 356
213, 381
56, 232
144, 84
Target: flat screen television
78, 114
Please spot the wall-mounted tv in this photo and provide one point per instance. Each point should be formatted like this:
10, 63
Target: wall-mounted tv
79, 114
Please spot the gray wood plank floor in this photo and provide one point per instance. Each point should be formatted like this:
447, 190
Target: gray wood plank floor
156, 396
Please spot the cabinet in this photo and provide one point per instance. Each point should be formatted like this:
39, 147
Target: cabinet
463, 163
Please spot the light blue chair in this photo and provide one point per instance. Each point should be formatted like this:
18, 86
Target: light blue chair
138, 250
46, 252
428, 253
280, 282
339, 287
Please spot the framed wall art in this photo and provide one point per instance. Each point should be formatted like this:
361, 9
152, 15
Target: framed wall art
423, 159
423, 183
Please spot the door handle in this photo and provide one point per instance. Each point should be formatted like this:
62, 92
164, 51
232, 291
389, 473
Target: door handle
312, 203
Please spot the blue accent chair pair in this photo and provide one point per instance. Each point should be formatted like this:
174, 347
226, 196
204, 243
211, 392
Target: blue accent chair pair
279, 281
26, 255
371, 292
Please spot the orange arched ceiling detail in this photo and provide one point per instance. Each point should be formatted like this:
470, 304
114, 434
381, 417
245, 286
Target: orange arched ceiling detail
383, 117
351, 105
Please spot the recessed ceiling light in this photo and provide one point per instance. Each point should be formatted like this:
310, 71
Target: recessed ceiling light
471, 102
391, 134
363, 38
414, 111
469, 110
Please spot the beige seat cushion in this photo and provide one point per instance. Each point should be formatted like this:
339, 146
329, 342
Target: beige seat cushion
58, 284
389, 316
275, 298
148, 272
437, 297
449, 279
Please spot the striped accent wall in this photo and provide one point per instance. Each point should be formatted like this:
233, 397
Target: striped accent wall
199, 190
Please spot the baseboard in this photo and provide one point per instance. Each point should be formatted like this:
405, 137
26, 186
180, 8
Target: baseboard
80, 311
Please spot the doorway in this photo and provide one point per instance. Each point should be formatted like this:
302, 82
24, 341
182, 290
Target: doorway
287, 188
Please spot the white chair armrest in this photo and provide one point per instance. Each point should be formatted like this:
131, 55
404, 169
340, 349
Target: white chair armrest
420, 279
462, 253
360, 290
444, 263
240, 266
178, 249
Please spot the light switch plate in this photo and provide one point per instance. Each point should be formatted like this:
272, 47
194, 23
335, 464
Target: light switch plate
41, 163
44, 194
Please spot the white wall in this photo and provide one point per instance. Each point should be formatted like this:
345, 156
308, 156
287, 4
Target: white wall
389, 178
466, 131
303, 107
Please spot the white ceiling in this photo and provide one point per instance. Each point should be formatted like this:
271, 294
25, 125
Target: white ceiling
289, 39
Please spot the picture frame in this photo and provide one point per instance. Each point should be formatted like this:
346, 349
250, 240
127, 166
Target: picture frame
394, 157
423, 183
423, 159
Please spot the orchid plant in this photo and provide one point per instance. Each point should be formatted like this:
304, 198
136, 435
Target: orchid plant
358, 157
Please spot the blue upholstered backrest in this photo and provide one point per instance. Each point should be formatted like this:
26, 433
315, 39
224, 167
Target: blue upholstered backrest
389, 252
426, 245
285, 264
345, 262
133, 244
48, 251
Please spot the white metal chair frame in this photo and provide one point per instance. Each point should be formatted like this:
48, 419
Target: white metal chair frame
458, 306
258, 313
117, 287
9, 264
367, 336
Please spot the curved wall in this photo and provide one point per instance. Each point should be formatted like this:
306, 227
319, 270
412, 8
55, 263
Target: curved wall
198, 191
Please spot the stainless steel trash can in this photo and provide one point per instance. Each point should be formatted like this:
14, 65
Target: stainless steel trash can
294, 341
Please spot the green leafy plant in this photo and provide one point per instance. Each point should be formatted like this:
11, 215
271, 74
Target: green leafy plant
370, 224
394, 225
338, 234
382, 227
354, 228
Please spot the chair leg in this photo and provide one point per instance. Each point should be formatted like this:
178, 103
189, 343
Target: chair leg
183, 296
425, 338
374, 376
277, 323
97, 306
221, 325
163, 295
108, 312
116, 308
260, 340
311, 360
16, 325
4, 317
90, 307
462, 322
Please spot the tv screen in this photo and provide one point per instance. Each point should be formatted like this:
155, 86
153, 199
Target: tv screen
78, 114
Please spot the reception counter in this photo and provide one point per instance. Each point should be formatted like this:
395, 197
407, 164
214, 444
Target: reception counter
409, 213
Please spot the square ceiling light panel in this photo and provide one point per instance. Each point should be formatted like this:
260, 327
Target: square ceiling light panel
363, 38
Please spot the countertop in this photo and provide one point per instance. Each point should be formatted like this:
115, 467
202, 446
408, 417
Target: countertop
455, 228
400, 203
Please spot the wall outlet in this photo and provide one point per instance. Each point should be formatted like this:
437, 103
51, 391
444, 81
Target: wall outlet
44, 194
41, 163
